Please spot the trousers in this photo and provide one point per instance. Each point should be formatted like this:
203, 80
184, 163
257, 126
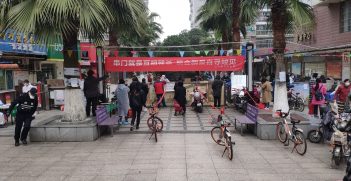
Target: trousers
22, 120
91, 102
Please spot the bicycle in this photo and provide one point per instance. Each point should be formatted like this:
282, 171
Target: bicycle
221, 135
295, 101
295, 134
154, 123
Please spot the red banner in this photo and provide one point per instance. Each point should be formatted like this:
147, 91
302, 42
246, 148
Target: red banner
156, 64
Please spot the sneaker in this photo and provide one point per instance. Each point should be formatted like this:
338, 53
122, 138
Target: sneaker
137, 127
17, 143
120, 122
131, 128
24, 142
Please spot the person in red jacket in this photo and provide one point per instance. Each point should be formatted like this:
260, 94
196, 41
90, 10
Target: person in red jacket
159, 90
341, 95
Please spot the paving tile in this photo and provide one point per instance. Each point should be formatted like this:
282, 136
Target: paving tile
141, 177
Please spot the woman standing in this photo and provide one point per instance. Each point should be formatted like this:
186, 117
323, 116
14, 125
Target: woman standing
179, 96
318, 96
266, 93
122, 102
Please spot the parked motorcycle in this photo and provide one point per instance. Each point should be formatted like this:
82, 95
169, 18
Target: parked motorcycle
347, 177
197, 104
324, 130
295, 101
340, 141
240, 100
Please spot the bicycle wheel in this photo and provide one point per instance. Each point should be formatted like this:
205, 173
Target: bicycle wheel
230, 148
300, 105
280, 133
300, 139
217, 136
158, 121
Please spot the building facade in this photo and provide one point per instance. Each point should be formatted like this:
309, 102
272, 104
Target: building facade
325, 49
195, 5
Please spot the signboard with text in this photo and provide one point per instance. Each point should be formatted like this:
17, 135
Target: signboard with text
14, 42
140, 64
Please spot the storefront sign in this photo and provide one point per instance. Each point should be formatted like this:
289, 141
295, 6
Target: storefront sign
140, 64
71, 71
15, 42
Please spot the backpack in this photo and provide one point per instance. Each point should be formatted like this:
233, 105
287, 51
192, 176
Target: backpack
319, 95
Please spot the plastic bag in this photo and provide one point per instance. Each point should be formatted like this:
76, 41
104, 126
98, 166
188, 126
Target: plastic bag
2, 119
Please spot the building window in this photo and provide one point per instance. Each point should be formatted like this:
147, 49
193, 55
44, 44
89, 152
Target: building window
345, 17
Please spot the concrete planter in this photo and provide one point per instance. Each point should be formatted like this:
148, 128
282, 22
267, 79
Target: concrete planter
51, 131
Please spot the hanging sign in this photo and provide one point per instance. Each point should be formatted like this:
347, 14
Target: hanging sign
140, 64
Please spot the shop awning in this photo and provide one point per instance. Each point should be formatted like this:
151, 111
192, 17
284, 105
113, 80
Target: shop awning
174, 64
9, 66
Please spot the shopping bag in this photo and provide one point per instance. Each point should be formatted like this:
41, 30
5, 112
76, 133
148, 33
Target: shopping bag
130, 113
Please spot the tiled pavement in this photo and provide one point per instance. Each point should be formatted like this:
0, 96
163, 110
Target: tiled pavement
191, 122
185, 156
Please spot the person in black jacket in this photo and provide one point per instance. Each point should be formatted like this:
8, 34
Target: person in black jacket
217, 91
26, 106
91, 91
180, 96
145, 88
135, 85
136, 101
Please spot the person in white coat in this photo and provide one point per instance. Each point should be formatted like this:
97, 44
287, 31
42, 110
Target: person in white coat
121, 93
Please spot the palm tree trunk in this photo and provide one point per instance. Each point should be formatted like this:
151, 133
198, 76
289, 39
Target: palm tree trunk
279, 25
225, 39
113, 43
74, 97
235, 24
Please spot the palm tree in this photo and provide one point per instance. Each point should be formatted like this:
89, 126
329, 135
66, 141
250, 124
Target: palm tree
151, 33
217, 15
236, 9
129, 15
63, 20
285, 15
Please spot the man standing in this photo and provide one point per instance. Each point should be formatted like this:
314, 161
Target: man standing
341, 95
159, 90
91, 92
26, 86
217, 90
27, 105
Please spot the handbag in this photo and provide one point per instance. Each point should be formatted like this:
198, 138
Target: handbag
130, 113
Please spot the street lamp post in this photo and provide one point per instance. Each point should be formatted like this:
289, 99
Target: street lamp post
249, 61
100, 61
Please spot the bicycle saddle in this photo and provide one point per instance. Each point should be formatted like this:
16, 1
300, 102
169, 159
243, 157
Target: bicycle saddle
297, 93
294, 121
282, 114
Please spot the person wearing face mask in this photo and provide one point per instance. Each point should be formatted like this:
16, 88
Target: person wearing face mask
341, 95
26, 86
26, 106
